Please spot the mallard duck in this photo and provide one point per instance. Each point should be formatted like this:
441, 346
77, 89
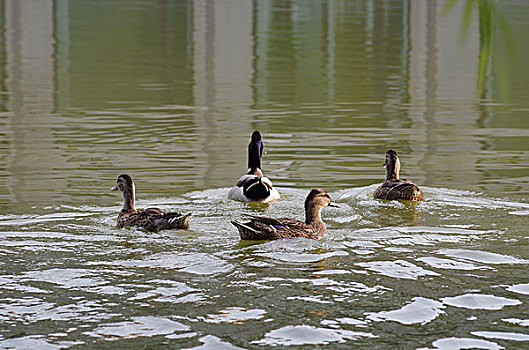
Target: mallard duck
254, 186
262, 227
151, 219
393, 187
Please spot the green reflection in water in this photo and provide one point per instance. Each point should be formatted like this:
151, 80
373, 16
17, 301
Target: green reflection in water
491, 22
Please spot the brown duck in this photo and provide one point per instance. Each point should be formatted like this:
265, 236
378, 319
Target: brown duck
151, 219
266, 228
393, 187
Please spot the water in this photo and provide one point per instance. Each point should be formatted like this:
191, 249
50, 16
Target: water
170, 92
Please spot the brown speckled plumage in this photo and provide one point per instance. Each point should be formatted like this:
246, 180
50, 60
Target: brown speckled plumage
393, 187
151, 219
266, 228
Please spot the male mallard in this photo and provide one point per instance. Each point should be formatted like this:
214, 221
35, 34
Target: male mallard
262, 227
393, 187
254, 186
151, 219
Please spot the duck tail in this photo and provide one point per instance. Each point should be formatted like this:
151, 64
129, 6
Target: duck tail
246, 232
181, 221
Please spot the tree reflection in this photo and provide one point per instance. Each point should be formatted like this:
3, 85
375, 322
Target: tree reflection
492, 22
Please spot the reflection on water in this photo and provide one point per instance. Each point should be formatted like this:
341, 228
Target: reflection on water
331, 88
170, 93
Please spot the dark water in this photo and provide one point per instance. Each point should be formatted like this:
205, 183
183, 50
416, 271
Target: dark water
170, 92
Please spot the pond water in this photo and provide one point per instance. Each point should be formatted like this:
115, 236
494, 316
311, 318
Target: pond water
169, 92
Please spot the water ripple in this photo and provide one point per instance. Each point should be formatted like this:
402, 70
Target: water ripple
480, 301
455, 343
522, 288
502, 335
450, 264
197, 263
211, 281
212, 342
420, 310
141, 326
236, 315
165, 294
36, 342
482, 257
308, 335
398, 269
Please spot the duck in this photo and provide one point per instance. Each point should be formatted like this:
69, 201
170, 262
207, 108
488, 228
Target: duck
150, 219
267, 228
393, 187
254, 186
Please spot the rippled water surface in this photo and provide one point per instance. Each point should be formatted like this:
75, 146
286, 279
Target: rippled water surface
169, 92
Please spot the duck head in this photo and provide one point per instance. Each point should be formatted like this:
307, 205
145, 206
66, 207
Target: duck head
392, 164
255, 152
316, 200
125, 184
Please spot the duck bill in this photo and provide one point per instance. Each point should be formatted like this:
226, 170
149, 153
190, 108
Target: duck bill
115, 188
334, 205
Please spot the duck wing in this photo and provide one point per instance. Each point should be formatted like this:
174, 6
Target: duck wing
154, 220
266, 228
266, 220
296, 228
252, 233
399, 189
174, 220
153, 211
408, 191
136, 218
280, 224
245, 178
